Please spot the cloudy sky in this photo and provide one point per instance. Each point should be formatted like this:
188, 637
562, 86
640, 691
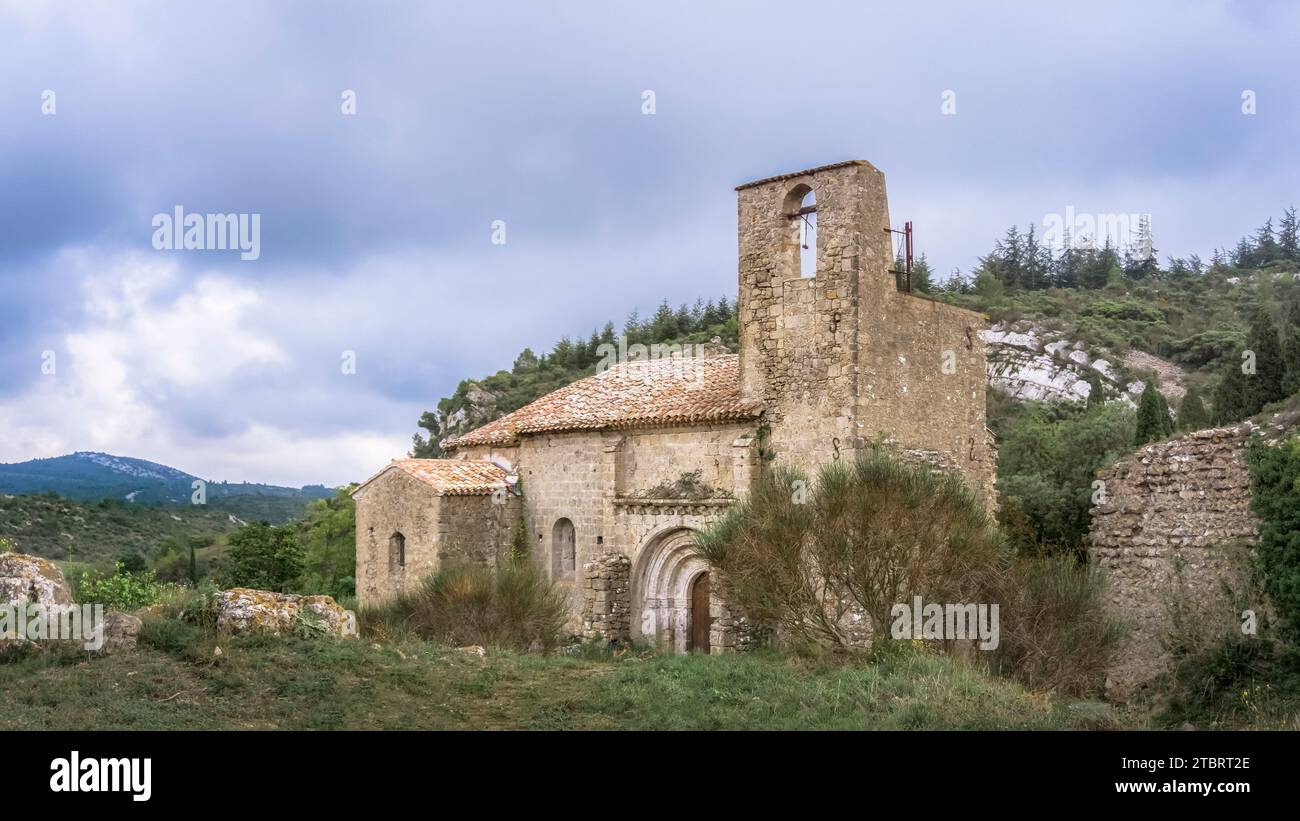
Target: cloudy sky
376, 228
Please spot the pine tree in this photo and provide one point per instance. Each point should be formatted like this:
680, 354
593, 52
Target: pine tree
1288, 243
922, 277
1266, 247
664, 324
725, 310
1141, 260
1243, 256
1153, 422
1265, 385
1192, 414
1034, 268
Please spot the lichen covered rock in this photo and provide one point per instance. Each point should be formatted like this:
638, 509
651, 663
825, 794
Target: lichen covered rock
121, 631
31, 579
244, 611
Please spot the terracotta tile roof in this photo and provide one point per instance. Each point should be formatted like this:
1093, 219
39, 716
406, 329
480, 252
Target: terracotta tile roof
451, 477
694, 390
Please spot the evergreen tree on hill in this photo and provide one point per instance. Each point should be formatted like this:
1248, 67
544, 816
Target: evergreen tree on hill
1153, 422
1265, 385
1192, 414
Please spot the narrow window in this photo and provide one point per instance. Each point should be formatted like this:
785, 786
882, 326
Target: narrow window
396, 553
564, 553
808, 236
800, 208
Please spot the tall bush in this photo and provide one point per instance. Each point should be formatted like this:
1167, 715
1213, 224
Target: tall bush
870, 534
509, 606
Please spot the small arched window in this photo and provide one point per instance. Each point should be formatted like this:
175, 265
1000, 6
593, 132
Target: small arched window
396, 553
564, 552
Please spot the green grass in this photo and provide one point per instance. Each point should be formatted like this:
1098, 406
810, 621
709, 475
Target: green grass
174, 680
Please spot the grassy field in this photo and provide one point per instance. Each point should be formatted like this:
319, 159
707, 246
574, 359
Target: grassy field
176, 680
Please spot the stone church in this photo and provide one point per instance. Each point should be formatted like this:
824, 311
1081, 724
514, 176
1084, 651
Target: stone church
615, 474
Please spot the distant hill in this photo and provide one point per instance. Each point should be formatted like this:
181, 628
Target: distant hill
91, 477
103, 531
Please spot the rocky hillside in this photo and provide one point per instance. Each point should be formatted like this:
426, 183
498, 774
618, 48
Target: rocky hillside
1031, 363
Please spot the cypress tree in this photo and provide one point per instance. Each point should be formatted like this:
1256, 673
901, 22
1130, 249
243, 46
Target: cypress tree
1153, 420
1230, 396
1192, 414
1265, 385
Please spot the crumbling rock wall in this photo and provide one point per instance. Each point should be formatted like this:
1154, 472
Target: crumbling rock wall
607, 598
1165, 524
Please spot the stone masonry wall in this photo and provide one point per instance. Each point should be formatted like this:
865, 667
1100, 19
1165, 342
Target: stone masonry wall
476, 528
800, 337
436, 528
1166, 525
575, 476
647, 459
394, 502
924, 383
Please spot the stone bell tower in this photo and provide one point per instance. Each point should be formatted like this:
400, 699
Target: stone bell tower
800, 336
835, 352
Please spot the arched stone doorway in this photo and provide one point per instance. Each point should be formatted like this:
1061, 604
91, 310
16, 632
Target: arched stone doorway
671, 590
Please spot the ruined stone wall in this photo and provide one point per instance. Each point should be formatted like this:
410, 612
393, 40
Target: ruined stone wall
730, 631
607, 598
1166, 532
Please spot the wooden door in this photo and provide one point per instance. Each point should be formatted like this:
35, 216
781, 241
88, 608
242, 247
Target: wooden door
699, 638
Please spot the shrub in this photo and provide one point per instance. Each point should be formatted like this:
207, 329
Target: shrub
1055, 635
200, 607
510, 606
119, 590
265, 557
871, 534
1275, 498
1048, 458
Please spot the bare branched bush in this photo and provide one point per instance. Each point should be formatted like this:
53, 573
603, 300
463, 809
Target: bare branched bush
869, 535
876, 532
